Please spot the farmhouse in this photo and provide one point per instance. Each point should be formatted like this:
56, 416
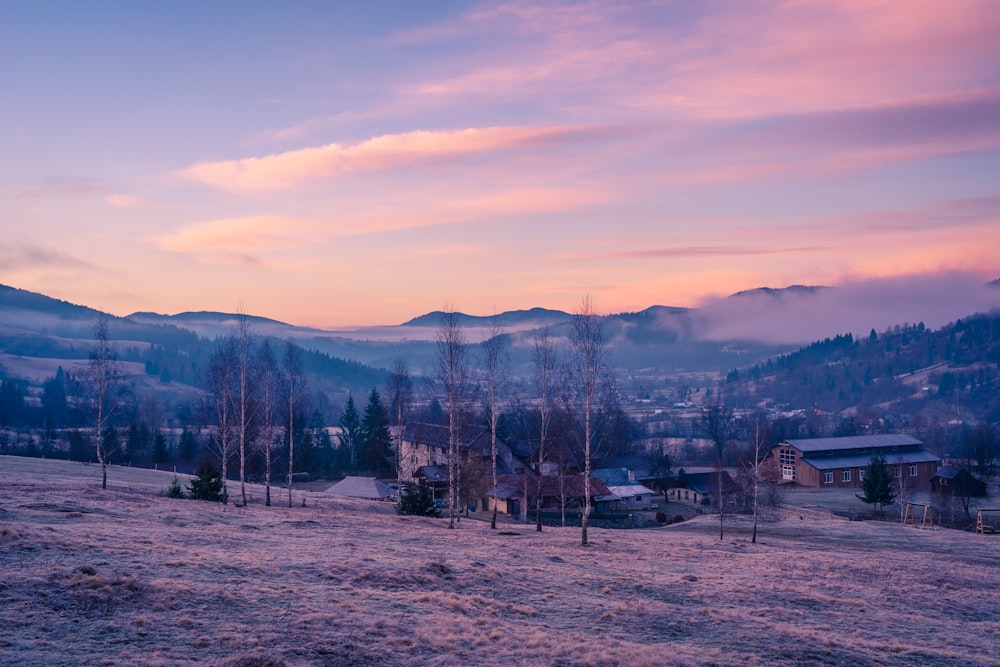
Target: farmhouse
839, 462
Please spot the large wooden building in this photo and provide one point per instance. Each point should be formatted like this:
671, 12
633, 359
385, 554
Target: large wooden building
839, 462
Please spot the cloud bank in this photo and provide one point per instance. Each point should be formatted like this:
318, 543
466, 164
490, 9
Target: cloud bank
857, 307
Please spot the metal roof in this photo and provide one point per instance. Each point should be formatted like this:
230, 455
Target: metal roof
853, 442
629, 490
360, 487
861, 460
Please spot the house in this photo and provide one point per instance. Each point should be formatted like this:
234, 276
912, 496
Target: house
952, 480
629, 497
368, 488
428, 445
702, 488
839, 462
561, 457
642, 468
626, 493
509, 500
436, 478
558, 493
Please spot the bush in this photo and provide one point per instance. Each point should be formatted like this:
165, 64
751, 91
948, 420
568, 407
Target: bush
678, 518
417, 500
661, 516
175, 490
207, 484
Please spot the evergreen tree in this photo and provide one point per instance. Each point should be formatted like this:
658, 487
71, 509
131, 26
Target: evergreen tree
161, 449
187, 446
350, 432
54, 403
376, 441
417, 500
304, 456
207, 484
175, 490
876, 483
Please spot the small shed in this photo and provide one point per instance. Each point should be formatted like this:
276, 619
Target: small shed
368, 488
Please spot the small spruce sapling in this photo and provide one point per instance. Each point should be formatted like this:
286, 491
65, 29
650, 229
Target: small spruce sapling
175, 490
417, 500
207, 484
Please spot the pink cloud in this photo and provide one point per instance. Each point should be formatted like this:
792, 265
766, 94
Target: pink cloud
386, 152
746, 59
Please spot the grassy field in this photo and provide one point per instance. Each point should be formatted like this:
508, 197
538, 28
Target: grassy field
127, 576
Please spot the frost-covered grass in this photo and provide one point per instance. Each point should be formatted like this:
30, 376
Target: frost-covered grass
127, 576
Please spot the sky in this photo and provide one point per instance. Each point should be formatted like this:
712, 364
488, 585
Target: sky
342, 164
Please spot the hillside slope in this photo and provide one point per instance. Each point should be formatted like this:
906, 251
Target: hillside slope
126, 576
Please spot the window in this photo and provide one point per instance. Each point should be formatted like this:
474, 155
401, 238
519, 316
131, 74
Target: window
845, 476
897, 472
913, 470
828, 477
786, 457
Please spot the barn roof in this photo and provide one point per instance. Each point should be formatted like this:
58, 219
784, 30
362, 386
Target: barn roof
813, 445
861, 460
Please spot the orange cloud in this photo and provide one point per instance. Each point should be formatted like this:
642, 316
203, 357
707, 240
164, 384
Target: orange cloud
284, 170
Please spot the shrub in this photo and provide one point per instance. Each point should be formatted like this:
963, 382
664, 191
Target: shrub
417, 500
175, 490
207, 484
678, 518
661, 516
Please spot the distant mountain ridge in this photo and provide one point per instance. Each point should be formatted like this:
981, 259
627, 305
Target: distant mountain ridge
728, 332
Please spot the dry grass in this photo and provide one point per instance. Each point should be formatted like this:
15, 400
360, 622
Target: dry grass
127, 576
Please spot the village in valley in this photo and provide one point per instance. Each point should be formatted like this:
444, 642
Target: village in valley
393, 530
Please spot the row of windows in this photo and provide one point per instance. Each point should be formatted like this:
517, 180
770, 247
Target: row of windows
845, 475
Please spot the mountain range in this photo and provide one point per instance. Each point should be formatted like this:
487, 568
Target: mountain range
38, 333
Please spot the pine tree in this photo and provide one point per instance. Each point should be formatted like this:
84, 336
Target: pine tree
161, 449
417, 500
187, 446
876, 483
350, 432
376, 441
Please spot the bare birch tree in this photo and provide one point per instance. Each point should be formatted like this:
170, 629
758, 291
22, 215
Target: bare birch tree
103, 385
720, 427
545, 362
219, 387
496, 365
268, 372
245, 401
587, 339
400, 393
294, 386
453, 374
757, 432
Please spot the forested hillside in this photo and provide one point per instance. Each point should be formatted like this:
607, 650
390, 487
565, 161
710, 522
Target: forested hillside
953, 371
